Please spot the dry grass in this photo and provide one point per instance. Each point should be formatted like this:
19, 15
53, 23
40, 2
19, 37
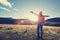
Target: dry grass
18, 32
51, 33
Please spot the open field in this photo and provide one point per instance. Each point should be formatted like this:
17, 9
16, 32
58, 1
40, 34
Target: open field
18, 32
27, 32
51, 33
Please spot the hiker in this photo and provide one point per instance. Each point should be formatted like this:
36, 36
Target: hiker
41, 20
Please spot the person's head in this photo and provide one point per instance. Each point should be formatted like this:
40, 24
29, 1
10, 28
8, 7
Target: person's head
40, 13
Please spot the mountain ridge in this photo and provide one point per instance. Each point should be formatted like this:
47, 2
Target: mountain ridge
52, 22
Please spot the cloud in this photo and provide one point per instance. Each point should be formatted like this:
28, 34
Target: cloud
15, 9
6, 3
4, 9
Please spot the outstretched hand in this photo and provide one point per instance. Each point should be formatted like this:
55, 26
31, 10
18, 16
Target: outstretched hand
33, 13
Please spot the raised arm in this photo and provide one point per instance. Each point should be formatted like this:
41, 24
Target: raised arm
33, 13
46, 16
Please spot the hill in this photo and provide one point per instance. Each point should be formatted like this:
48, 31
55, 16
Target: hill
53, 22
6, 21
16, 21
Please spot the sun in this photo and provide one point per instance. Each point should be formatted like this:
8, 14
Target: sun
34, 18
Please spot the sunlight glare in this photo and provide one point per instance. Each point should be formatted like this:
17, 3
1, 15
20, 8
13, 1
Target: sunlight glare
33, 18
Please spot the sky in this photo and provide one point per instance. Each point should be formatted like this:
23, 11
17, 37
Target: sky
20, 9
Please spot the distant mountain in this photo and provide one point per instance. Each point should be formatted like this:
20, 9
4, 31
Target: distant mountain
16, 21
6, 21
53, 22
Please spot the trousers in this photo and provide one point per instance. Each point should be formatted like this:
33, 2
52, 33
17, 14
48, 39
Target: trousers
40, 31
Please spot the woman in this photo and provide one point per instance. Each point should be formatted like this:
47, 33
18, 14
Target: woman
41, 20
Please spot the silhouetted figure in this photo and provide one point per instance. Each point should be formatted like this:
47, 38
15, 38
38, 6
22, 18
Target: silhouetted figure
41, 20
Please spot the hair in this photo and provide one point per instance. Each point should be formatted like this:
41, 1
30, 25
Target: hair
40, 13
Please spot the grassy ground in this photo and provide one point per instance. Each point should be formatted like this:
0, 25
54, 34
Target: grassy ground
51, 33
18, 32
